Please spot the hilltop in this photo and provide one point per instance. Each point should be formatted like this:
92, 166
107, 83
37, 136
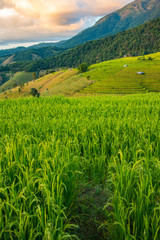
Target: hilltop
109, 77
132, 15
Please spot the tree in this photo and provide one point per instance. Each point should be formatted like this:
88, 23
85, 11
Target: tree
34, 76
21, 85
83, 67
15, 84
34, 92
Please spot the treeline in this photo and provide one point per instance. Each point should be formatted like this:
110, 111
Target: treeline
141, 40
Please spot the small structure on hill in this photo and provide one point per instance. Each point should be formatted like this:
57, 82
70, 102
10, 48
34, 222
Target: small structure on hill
127, 55
125, 66
140, 73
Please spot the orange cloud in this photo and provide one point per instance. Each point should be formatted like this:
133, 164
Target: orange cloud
42, 19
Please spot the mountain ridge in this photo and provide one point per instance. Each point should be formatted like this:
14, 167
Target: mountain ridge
131, 15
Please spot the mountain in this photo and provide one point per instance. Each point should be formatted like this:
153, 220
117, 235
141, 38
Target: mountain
132, 15
140, 40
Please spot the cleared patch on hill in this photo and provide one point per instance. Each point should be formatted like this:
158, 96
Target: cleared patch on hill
16, 79
8, 60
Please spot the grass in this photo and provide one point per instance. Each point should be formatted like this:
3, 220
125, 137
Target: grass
91, 163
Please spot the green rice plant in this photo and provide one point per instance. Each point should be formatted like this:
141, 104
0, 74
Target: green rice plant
52, 148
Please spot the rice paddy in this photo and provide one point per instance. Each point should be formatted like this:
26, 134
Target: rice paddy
120, 76
56, 152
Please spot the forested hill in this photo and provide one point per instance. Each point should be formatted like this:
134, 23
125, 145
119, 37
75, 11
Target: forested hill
132, 15
31, 54
141, 40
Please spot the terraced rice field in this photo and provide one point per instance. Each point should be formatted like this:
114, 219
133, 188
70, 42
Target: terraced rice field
112, 77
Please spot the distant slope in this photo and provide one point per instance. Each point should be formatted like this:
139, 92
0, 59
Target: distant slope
110, 77
32, 54
41, 53
9, 52
16, 80
132, 15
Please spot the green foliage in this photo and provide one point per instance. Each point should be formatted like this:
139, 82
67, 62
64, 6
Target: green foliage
141, 58
34, 92
21, 85
83, 67
34, 76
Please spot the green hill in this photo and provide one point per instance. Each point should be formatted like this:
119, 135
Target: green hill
132, 15
110, 77
16, 79
120, 76
30, 54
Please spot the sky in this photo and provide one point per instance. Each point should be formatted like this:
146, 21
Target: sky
25, 22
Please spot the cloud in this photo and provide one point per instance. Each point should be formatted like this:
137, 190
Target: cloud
23, 20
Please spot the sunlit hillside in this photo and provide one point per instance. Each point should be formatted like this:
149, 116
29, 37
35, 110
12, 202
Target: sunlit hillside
65, 82
118, 76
